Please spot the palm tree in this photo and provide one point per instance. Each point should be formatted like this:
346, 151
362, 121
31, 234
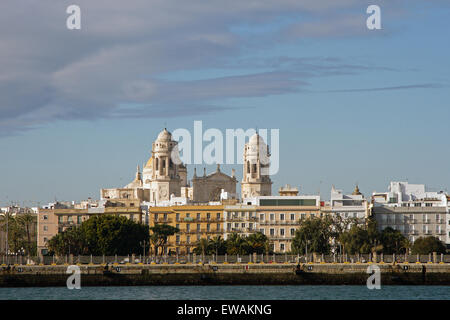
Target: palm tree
203, 247
218, 245
236, 244
257, 243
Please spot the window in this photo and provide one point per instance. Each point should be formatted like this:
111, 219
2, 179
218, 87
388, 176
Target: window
272, 232
188, 239
198, 237
242, 225
45, 217
262, 231
282, 216
438, 217
177, 217
155, 216
292, 216
208, 227
218, 215
218, 226
178, 226
198, 227
45, 228
177, 239
417, 204
261, 217
45, 239
79, 219
188, 227
272, 216
208, 216
282, 247
303, 216
188, 215
60, 219
282, 232
69, 219
292, 232
165, 216
250, 226
228, 226
428, 204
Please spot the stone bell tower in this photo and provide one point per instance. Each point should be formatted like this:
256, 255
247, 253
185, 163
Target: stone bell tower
256, 180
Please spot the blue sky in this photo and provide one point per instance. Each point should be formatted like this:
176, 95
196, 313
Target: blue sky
352, 105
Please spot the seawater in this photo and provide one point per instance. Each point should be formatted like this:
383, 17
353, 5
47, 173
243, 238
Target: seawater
229, 293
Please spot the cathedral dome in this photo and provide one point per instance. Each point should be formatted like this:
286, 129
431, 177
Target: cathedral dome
164, 136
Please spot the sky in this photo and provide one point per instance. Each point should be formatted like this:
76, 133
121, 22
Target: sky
79, 109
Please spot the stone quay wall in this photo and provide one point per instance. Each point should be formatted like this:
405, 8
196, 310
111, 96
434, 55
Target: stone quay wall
225, 274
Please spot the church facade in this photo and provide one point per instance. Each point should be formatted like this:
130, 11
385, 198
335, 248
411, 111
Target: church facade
164, 177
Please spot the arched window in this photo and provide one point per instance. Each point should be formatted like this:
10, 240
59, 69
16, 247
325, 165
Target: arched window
248, 166
156, 164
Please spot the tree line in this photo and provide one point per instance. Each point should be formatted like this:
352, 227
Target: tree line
352, 236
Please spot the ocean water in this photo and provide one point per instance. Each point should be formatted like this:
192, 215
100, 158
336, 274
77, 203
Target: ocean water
229, 293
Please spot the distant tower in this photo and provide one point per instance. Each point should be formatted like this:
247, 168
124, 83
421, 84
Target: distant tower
256, 180
161, 174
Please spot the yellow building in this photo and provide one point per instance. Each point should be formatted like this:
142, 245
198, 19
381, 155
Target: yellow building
194, 221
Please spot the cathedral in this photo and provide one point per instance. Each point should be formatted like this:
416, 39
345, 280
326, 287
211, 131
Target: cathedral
163, 179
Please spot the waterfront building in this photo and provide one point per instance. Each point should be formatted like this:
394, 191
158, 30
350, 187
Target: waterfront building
278, 217
239, 218
349, 206
59, 217
194, 222
412, 210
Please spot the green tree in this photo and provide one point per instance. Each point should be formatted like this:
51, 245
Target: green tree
356, 240
236, 244
257, 243
28, 223
393, 241
203, 247
313, 235
160, 235
428, 245
218, 245
70, 241
101, 234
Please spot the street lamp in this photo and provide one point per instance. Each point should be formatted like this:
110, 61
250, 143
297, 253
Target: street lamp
143, 244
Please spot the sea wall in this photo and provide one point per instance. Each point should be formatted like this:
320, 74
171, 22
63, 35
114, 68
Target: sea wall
225, 274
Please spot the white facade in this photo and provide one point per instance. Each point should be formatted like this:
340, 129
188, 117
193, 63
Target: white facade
349, 205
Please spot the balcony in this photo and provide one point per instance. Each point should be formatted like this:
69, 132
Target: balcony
162, 220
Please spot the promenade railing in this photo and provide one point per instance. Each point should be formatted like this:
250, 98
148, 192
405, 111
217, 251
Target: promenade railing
220, 259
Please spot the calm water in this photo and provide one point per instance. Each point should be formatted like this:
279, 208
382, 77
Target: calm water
230, 293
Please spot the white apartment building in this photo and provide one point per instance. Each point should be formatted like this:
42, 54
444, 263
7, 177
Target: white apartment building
413, 211
349, 205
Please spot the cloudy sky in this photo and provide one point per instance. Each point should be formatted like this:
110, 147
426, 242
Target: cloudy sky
79, 109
